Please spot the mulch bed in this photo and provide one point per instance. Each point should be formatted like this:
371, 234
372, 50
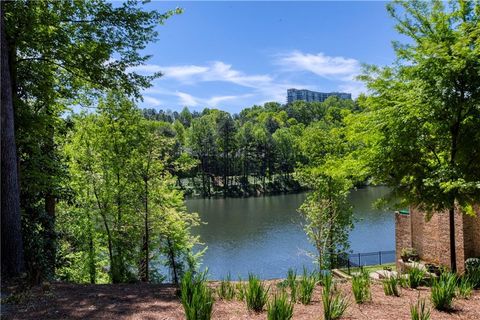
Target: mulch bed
148, 301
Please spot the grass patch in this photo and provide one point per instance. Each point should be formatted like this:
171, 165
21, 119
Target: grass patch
306, 286
464, 288
443, 291
361, 288
197, 298
226, 290
373, 268
255, 294
280, 308
415, 277
334, 303
419, 311
391, 286
291, 282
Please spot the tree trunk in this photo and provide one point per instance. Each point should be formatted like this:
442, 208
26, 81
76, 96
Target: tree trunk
453, 253
13, 263
145, 275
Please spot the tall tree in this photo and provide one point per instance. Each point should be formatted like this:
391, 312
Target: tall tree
422, 119
59, 53
12, 244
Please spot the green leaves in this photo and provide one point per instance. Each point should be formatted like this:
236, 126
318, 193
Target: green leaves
418, 128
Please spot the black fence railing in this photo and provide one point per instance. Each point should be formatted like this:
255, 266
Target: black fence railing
355, 260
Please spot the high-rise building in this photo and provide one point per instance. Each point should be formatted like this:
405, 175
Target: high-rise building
310, 96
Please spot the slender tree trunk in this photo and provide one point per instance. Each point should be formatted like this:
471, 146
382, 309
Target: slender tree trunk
145, 276
454, 131
50, 235
453, 253
173, 262
91, 256
13, 263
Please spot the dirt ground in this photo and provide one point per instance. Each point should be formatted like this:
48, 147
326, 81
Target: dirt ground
146, 301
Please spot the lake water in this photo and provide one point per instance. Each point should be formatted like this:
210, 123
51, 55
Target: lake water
264, 235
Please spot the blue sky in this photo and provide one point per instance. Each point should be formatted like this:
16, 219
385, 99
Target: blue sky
231, 55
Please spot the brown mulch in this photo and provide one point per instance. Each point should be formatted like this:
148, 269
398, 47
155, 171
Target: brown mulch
148, 301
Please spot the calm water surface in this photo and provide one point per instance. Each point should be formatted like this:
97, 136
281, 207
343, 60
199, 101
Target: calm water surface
264, 235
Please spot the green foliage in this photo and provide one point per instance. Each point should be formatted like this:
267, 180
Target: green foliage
226, 290
464, 287
241, 290
391, 286
306, 286
419, 310
292, 283
472, 271
126, 205
197, 297
334, 303
361, 288
443, 291
418, 124
415, 277
69, 53
328, 220
280, 308
256, 295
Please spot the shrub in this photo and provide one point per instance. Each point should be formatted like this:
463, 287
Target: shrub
415, 277
240, 286
409, 254
226, 290
255, 294
280, 308
292, 283
391, 286
334, 304
464, 288
307, 284
472, 268
197, 298
361, 288
443, 291
419, 310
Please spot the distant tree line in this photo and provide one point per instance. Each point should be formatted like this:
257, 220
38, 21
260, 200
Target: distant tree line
253, 152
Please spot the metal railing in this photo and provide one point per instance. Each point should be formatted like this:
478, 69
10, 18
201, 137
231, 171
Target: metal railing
355, 260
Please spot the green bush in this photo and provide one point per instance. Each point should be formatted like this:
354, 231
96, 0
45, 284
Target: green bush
292, 284
443, 291
240, 288
226, 290
197, 298
306, 287
419, 311
464, 288
415, 277
280, 308
334, 304
472, 268
391, 286
361, 288
255, 294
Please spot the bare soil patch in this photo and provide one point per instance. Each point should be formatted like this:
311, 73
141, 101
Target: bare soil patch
148, 301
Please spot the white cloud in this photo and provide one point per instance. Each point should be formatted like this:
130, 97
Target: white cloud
183, 73
151, 101
320, 64
214, 71
186, 99
335, 68
353, 87
220, 71
258, 88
